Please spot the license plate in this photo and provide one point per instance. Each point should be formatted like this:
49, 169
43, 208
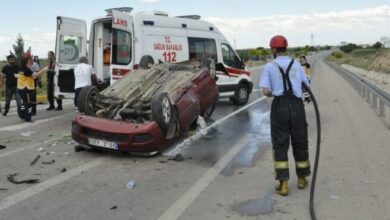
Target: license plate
100, 143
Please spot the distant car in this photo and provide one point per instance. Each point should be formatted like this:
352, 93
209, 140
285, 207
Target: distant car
147, 108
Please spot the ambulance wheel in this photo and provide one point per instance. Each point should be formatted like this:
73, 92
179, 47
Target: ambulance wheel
86, 100
165, 115
241, 95
146, 61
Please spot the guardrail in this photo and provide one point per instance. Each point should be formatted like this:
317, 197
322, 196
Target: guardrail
378, 99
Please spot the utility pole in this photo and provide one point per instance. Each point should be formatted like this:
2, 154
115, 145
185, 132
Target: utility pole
312, 39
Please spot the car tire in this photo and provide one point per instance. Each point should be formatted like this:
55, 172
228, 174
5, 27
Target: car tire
86, 100
164, 113
241, 95
209, 111
146, 61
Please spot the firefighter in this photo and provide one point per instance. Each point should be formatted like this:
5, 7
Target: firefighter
282, 79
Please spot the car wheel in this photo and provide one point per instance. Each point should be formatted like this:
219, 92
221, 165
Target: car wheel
209, 111
241, 95
146, 61
86, 100
165, 115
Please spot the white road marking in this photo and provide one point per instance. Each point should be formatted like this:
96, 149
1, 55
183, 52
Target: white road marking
12, 110
191, 194
8, 153
28, 124
25, 194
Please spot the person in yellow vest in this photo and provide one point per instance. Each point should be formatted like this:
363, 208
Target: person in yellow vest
26, 85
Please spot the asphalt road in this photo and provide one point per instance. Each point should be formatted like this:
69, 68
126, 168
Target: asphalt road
225, 175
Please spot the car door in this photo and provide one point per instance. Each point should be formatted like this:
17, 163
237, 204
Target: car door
122, 45
71, 44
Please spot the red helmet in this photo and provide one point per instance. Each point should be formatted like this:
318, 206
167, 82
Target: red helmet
278, 41
26, 55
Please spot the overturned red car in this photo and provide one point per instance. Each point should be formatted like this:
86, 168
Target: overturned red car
147, 108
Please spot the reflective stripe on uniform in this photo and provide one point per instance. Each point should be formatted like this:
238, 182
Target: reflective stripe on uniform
281, 164
302, 164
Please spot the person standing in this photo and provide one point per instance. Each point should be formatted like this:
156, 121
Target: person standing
9, 72
35, 68
50, 84
84, 76
307, 69
282, 79
26, 86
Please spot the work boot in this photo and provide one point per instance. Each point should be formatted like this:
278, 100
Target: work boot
282, 188
51, 107
302, 182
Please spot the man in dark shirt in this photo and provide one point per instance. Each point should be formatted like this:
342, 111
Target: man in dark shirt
9, 72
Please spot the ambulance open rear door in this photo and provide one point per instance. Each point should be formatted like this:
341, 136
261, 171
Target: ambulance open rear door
122, 45
71, 44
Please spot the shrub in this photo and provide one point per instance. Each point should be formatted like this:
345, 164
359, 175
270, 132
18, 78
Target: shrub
337, 54
349, 48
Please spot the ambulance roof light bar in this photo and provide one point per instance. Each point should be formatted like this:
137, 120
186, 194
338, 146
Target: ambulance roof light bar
155, 12
195, 17
121, 9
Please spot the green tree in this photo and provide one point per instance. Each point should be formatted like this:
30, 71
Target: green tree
377, 45
349, 48
18, 47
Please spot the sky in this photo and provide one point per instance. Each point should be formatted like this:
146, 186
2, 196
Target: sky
245, 23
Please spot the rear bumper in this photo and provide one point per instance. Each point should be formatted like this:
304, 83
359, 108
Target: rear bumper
131, 137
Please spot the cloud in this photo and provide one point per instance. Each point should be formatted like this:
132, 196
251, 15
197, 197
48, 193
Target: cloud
365, 25
149, 1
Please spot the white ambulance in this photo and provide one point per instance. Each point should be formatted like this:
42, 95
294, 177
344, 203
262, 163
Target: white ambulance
120, 42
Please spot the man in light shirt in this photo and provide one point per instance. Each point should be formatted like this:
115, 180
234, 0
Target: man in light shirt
84, 76
282, 79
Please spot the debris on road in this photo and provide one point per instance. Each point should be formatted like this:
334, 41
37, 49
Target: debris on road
177, 158
131, 184
334, 197
40, 149
3, 189
114, 207
2, 147
78, 148
35, 160
12, 179
28, 133
49, 153
63, 170
163, 161
48, 162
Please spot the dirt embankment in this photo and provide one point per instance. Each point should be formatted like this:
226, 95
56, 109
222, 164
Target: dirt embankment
372, 64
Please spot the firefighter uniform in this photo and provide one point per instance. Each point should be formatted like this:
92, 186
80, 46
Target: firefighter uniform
284, 77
